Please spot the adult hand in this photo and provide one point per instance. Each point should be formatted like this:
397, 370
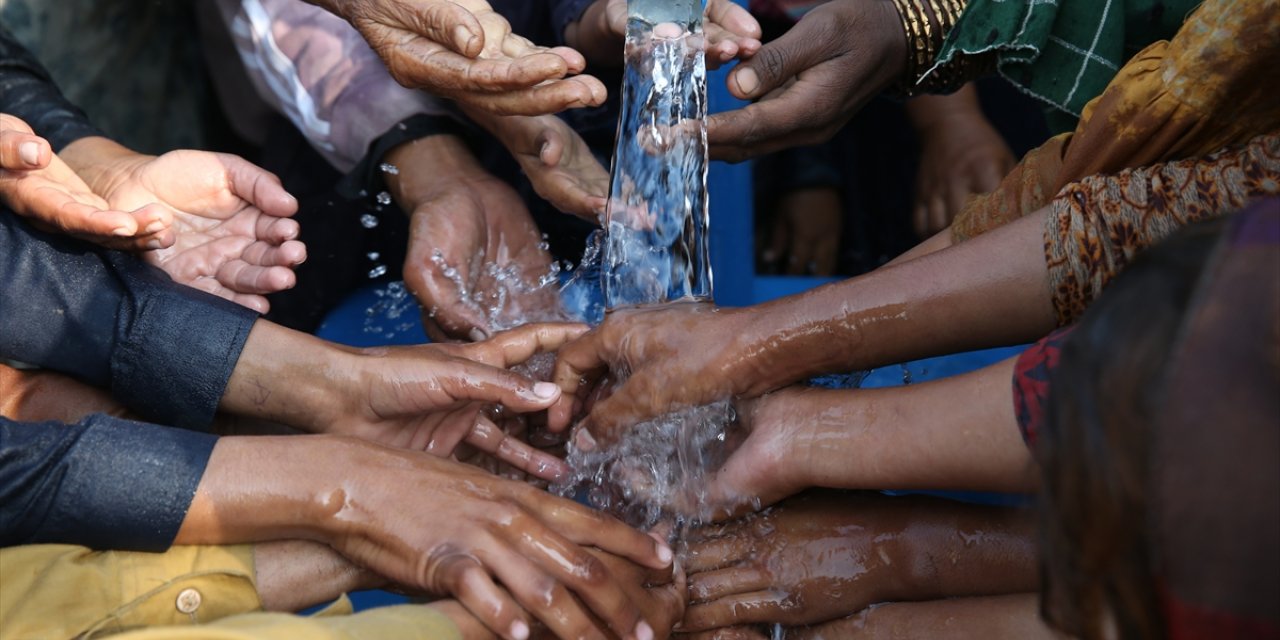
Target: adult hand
38, 185
464, 50
462, 532
810, 81
961, 155
476, 261
428, 398
730, 31
660, 594
556, 160
677, 356
233, 235
806, 232
822, 556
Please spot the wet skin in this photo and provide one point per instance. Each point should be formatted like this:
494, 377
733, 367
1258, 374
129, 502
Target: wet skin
730, 32
505, 550
992, 290
821, 556
464, 50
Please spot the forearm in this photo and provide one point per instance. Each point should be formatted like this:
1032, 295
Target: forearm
929, 111
295, 574
990, 291
425, 163
962, 550
37, 396
1007, 616
292, 378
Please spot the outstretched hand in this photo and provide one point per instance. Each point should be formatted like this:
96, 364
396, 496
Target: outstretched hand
730, 31
464, 50
38, 185
810, 81
233, 234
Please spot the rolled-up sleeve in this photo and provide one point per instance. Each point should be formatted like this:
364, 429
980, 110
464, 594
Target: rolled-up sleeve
27, 92
104, 482
163, 349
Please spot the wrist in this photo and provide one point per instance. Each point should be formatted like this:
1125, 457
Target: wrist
101, 162
426, 163
293, 378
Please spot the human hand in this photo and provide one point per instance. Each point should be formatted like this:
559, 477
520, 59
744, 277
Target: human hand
464, 50
556, 159
38, 185
729, 30
961, 155
670, 356
821, 556
476, 261
810, 81
806, 232
233, 235
660, 594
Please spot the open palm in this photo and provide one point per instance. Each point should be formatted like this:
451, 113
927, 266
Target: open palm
234, 237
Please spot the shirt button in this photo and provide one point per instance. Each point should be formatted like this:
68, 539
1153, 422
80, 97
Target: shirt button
189, 600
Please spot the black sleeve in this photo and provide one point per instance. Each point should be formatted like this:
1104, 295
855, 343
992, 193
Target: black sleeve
28, 92
103, 483
104, 317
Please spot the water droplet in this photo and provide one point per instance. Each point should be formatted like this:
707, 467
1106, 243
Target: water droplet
384, 198
387, 167
368, 221
378, 271
373, 255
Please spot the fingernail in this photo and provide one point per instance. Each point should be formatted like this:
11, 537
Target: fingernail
644, 631
519, 630
665, 554
583, 441
545, 390
747, 79
153, 244
30, 153
542, 153
478, 335
155, 226
122, 232
463, 36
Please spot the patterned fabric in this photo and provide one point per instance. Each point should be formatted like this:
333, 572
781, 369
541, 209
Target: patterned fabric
1031, 382
1209, 88
1062, 52
1096, 226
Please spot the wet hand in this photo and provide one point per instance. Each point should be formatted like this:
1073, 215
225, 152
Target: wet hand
812, 559
436, 397
464, 50
961, 155
810, 81
233, 236
677, 356
659, 593
40, 186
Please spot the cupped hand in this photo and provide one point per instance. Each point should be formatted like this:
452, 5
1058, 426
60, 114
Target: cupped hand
464, 50
961, 155
814, 558
435, 397
556, 159
810, 81
233, 234
504, 549
806, 232
730, 31
36, 184
476, 261
669, 357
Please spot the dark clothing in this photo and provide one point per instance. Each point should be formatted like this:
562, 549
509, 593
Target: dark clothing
163, 349
104, 483
27, 91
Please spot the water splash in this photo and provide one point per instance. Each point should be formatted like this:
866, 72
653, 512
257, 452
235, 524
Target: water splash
369, 221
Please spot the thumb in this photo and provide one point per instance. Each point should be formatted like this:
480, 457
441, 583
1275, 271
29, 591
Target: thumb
449, 24
800, 48
472, 381
258, 187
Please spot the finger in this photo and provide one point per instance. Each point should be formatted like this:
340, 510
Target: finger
988, 177
783, 58
729, 633
464, 578
59, 209
937, 214
258, 187
550, 97
23, 151
550, 147
539, 592
510, 348
242, 277
248, 301
801, 255
477, 382
747, 608
714, 585
589, 527
422, 64
275, 229
289, 254
446, 23
589, 579
578, 364
489, 438
920, 219
793, 118
716, 554
734, 18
